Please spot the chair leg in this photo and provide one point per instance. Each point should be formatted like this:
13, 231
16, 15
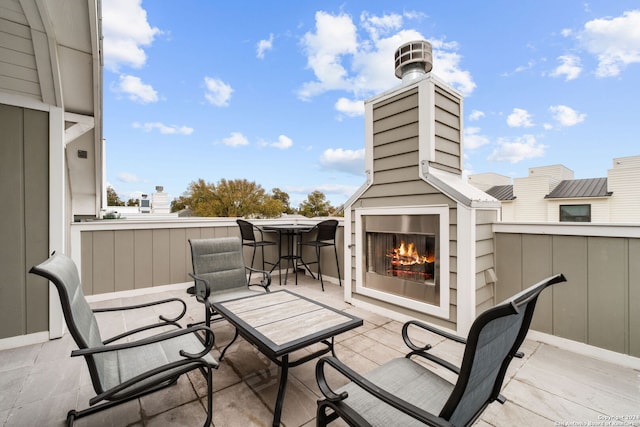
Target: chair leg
207, 422
253, 258
319, 268
335, 249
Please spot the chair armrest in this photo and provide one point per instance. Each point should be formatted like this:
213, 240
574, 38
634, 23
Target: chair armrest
379, 393
154, 339
149, 304
266, 278
422, 350
201, 283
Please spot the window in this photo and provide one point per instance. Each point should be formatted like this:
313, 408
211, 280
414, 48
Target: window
575, 213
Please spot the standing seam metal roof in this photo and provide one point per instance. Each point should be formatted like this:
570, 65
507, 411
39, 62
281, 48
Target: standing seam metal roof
501, 192
574, 188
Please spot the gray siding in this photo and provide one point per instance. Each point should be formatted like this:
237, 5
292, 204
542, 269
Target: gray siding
18, 71
447, 132
24, 179
485, 255
599, 303
120, 260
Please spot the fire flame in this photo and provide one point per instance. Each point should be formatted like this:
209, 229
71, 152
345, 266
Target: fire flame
407, 254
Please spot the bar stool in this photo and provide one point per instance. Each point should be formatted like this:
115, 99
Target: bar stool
247, 232
325, 236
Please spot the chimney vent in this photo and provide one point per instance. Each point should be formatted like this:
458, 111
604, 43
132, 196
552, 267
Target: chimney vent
413, 60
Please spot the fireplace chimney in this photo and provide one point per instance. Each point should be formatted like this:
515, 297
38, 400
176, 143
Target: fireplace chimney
413, 60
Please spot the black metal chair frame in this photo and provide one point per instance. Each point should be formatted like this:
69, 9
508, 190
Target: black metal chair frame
521, 305
152, 380
248, 234
325, 236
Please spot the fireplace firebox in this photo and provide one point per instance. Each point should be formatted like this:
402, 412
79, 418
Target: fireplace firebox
402, 256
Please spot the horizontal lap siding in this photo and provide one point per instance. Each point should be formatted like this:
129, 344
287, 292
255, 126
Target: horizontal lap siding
447, 132
18, 70
597, 305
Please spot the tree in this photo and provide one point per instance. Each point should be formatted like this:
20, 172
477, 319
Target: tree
284, 198
315, 205
133, 202
112, 197
229, 198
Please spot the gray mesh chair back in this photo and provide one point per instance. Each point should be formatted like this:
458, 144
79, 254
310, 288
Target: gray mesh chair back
220, 262
493, 342
79, 317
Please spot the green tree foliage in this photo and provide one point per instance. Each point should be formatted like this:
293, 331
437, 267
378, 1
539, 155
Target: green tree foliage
229, 198
284, 198
133, 202
316, 205
112, 197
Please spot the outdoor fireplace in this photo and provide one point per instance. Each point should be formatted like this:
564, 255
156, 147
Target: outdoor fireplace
404, 250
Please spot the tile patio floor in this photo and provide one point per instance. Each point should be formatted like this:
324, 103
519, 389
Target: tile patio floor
549, 387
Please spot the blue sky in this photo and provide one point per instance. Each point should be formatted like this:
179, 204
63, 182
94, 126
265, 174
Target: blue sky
273, 92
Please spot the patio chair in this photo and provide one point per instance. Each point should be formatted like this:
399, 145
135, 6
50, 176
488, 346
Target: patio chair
404, 392
219, 274
124, 371
325, 236
248, 234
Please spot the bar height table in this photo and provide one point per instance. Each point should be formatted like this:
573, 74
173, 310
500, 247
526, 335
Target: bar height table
291, 233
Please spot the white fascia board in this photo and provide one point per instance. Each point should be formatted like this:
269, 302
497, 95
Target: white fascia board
455, 187
83, 124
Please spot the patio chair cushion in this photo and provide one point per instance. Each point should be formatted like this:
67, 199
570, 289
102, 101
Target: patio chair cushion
125, 364
406, 379
229, 294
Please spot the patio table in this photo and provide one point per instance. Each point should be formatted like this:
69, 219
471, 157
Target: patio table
290, 232
279, 323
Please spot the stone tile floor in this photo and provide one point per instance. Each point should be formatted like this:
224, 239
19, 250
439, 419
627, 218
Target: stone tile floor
549, 387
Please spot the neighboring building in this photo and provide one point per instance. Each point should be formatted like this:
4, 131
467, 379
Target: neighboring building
551, 194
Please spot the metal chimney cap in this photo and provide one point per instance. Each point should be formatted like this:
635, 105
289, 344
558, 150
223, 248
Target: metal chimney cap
413, 57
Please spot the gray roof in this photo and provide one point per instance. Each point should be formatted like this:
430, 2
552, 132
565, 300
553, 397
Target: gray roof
573, 188
501, 192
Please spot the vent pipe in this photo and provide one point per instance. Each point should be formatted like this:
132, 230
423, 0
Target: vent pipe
413, 60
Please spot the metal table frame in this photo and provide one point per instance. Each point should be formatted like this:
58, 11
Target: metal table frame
293, 257
252, 317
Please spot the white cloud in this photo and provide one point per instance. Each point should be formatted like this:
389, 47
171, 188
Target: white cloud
164, 129
126, 31
380, 25
263, 46
519, 118
514, 151
283, 143
349, 107
566, 116
473, 139
570, 67
128, 177
614, 41
236, 139
341, 59
217, 92
136, 90
334, 36
349, 161
476, 115
446, 65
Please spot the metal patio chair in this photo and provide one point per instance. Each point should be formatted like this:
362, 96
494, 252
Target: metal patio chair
248, 233
124, 371
404, 392
325, 236
220, 274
